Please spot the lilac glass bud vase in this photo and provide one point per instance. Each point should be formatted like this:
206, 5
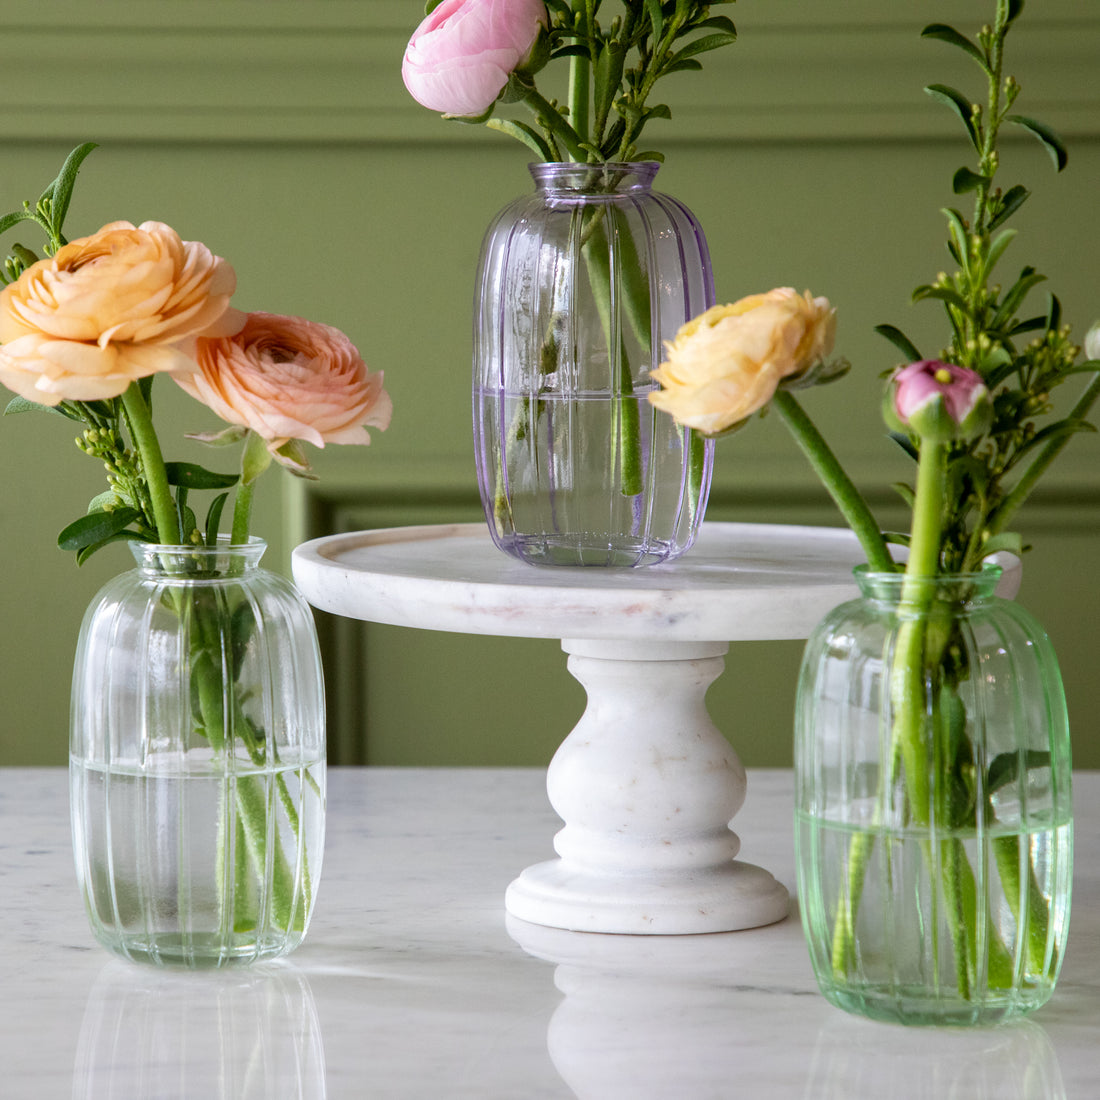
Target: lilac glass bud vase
578, 286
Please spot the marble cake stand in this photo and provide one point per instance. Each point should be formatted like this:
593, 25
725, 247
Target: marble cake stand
646, 784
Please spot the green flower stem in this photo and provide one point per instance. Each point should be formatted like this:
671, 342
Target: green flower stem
145, 439
597, 254
1013, 855
1022, 490
844, 493
580, 79
242, 513
209, 670
553, 121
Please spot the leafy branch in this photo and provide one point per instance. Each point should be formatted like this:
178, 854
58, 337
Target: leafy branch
613, 70
1022, 359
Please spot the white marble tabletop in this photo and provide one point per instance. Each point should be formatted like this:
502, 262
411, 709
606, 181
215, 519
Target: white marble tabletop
412, 983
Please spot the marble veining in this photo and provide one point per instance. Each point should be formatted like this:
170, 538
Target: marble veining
412, 982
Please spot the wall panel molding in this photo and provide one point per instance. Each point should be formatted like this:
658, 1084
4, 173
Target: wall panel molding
324, 71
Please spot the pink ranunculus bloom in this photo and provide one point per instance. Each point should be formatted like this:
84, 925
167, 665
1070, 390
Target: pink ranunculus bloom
460, 57
941, 400
286, 378
122, 304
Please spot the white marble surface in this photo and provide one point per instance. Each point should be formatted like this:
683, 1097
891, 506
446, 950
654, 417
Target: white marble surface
412, 984
740, 581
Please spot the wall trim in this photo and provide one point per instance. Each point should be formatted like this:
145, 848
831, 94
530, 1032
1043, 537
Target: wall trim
288, 71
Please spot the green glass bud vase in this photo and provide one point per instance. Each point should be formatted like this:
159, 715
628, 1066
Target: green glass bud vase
933, 804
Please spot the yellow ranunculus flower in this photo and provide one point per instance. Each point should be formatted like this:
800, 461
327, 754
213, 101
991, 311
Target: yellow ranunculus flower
726, 364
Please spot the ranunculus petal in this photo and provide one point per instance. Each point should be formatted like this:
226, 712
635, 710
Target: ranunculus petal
287, 378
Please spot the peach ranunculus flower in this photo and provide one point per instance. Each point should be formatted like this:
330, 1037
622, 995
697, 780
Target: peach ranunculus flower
727, 363
107, 309
286, 378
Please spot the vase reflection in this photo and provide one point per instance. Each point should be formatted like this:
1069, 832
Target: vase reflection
853, 1057
242, 1035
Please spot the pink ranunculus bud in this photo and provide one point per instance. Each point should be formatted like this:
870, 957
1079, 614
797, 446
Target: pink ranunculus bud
459, 59
939, 401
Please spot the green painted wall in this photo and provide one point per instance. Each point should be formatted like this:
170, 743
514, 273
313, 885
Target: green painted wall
278, 132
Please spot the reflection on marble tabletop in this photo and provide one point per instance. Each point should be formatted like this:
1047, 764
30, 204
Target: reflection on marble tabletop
412, 983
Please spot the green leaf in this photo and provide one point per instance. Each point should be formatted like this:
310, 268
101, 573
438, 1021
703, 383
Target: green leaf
656, 17
21, 405
95, 527
997, 248
214, 518
1030, 325
1046, 135
1005, 767
14, 218
60, 192
701, 45
1010, 202
898, 538
190, 476
718, 23
1014, 9
1013, 299
1007, 541
959, 248
961, 105
965, 180
104, 502
1051, 433
948, 34
690, 65
900, 341
607, 75
522, 132
906, 444
942, 294
431, 5
86, 552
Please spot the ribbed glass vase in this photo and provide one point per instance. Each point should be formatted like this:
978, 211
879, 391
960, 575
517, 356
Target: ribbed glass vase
933, 803
197, 759
578, 285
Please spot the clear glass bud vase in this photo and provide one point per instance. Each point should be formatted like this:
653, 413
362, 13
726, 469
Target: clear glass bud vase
197, 759
933, 803
578, 286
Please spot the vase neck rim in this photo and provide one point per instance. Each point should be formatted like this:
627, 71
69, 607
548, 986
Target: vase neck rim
610, 177
184, 560
941, 587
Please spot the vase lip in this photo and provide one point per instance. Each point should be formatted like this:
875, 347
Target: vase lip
606, 177
979, 583
173, 558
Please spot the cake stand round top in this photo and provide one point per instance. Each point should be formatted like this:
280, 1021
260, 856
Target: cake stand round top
739, 582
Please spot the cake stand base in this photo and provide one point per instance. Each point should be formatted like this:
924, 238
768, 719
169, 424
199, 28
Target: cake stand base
647, 787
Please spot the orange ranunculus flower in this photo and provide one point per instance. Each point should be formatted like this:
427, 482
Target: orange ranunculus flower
286, 378
122, 304
727, 363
